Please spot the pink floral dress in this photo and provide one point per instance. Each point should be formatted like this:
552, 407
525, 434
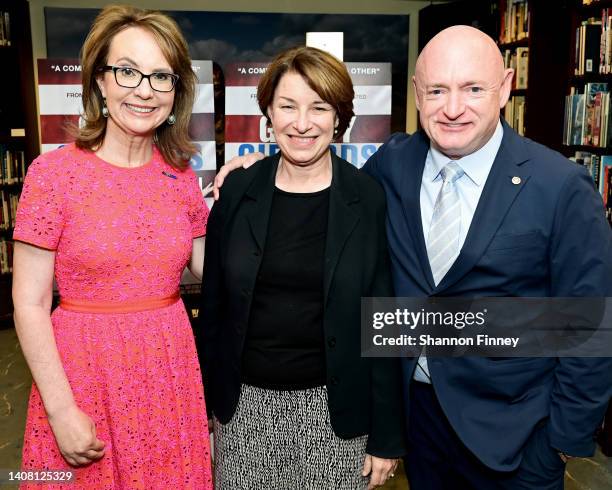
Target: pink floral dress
121, 236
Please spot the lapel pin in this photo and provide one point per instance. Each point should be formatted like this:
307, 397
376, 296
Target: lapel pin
168, 174
516, 180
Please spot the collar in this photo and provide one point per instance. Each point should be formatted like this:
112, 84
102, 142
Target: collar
476, 165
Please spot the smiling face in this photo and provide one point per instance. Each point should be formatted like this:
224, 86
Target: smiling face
460, 86
303, 123
135, 111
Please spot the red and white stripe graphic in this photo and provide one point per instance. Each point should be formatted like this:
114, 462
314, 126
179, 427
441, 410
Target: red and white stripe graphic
246, 130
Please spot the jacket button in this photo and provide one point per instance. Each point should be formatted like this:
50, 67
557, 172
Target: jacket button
333, 380
331, 342
246, 292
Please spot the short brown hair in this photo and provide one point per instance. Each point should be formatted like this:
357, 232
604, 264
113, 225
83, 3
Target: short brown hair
324, 73
172, 140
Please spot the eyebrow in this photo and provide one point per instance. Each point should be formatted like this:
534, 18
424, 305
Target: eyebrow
133, 63
289, 99
468, 82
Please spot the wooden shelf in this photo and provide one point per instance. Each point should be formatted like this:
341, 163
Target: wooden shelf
593, 10
591, 77
589, 148
523, 43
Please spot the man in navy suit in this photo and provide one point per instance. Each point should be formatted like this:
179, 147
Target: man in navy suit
476, 210
514, 219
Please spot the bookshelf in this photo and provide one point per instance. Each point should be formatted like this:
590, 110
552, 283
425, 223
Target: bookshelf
514, 45
587, 122
18, 131
535, 35
584, 119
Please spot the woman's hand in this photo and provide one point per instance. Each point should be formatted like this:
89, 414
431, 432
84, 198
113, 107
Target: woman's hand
379, 469
75, 434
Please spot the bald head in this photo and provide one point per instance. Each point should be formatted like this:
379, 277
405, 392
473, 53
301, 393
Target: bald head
463, 44
460, 85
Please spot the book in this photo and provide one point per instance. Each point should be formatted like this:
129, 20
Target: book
7, 29
522, 65
607, 194
605, 164
577, 119
592, 40
589, 128
2, 30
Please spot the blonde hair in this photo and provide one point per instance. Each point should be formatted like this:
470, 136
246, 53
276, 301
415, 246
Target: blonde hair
172, 140
324, 73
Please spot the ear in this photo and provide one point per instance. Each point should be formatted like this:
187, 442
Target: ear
506, 87
336, 122
416, 93
100, 83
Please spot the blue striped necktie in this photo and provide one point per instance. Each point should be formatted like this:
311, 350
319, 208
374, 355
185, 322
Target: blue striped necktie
443, 239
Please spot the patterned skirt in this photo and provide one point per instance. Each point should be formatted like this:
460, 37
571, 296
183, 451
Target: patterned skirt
283, 440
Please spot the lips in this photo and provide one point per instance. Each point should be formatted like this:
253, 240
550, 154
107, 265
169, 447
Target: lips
453, 125
302, 140
140, 109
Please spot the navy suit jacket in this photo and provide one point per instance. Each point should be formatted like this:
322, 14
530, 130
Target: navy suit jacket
545, 237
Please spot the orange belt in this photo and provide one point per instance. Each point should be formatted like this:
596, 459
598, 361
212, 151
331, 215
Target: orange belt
87, 306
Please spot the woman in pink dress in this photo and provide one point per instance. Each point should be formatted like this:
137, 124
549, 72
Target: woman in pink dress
117, 395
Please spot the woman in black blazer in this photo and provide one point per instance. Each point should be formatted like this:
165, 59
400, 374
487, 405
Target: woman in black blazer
292, 246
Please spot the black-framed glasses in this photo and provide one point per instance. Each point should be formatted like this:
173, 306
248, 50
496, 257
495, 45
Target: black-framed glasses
129, 77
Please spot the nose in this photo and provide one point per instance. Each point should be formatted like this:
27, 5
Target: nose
455, 105
302, 121
144, 90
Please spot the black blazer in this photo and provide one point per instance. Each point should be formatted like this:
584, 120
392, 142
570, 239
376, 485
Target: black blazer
365, 394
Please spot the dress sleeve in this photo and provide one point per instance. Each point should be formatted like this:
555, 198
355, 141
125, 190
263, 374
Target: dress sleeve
39, 219
198, 210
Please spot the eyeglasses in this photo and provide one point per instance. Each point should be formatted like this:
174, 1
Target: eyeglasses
128, 77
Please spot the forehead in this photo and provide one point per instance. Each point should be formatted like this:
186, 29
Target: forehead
293, 85
459, 65
138, 45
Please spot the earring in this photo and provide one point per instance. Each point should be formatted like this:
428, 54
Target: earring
335, 131
171, 119
104, 108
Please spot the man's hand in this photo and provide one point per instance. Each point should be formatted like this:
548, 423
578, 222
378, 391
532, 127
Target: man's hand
379, 469
244, 161
75, 434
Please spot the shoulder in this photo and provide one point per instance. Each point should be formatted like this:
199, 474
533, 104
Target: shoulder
186, 174
367, 187
401, 142
400, 149
56, 163
238, 181
550, 165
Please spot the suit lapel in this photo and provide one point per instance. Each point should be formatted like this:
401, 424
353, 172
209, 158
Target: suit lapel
410, 192
342, 219
261, 191
505, 181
